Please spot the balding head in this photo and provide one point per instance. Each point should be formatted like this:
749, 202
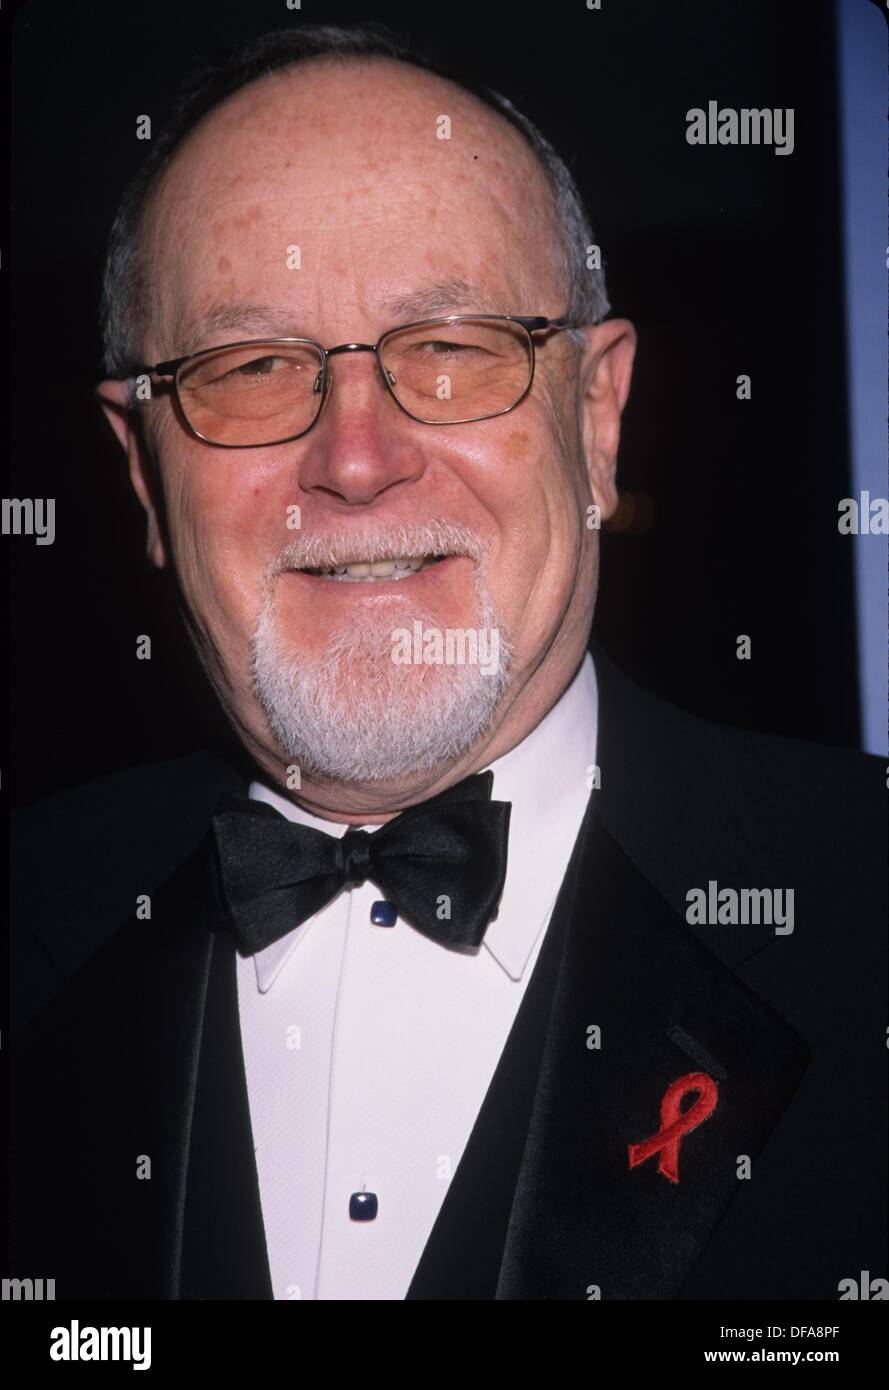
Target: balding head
343, 159
129, 284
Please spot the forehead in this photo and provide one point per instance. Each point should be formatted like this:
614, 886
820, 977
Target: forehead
329, 192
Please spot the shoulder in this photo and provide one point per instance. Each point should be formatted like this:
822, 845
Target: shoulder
692, 801
662, 764
79, 858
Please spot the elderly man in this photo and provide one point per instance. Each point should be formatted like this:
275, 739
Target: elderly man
425, 1004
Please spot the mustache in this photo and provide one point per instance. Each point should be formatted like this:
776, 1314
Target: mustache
371, 541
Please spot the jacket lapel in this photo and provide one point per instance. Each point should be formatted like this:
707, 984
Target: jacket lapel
584, 1224
224, 1249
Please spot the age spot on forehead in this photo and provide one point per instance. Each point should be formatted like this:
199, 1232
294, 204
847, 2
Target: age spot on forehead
248, 217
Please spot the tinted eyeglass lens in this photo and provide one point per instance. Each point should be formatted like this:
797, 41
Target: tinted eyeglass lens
446, 372
259, 394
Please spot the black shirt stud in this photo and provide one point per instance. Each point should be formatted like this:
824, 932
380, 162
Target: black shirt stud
363, 1206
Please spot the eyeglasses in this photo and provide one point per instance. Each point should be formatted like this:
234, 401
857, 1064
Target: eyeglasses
447, 371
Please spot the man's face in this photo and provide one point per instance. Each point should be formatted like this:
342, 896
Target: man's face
393, 225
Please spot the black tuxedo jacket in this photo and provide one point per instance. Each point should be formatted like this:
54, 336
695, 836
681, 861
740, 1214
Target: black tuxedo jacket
129, 1045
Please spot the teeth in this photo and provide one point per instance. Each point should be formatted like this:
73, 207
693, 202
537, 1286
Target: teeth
401, 567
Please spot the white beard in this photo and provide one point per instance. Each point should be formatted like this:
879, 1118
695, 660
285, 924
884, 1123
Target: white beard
353, 714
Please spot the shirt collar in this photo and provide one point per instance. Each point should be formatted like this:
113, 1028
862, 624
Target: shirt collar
546, 778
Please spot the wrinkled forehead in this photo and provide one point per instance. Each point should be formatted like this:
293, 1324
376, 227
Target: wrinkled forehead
334, 189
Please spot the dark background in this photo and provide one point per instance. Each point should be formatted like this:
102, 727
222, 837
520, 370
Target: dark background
728, 259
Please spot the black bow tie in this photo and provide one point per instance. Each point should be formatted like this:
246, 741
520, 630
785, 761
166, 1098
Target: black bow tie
442, 863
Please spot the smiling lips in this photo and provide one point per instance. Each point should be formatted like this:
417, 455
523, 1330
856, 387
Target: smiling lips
368, 571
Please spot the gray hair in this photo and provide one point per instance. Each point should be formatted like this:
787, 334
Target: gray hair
125, 292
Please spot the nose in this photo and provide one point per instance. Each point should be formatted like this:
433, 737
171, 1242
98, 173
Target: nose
363, 445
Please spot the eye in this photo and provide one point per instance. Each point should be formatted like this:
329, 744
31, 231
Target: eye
437, 346
260, 366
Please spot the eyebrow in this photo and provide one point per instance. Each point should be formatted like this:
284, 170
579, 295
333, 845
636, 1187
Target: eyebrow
236, 317
451, 296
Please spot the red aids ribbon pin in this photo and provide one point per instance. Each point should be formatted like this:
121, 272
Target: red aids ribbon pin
675, 1123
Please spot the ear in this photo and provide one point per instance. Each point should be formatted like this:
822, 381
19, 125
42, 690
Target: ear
605, 375
113, 397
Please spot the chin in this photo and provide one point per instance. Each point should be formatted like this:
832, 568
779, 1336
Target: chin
388, 694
